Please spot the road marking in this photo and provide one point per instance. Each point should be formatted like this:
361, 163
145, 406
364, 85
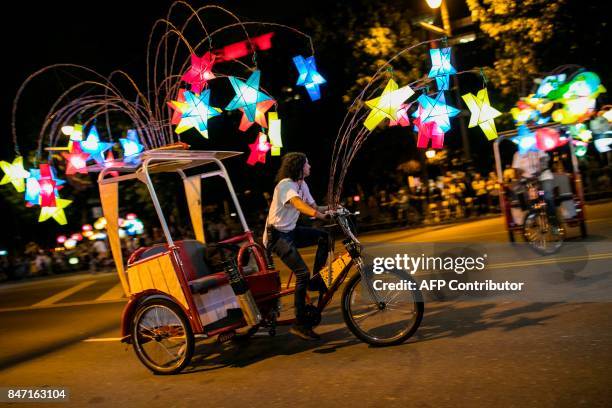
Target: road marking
116, 292
55, 305
64, 294
546, 261
101, 339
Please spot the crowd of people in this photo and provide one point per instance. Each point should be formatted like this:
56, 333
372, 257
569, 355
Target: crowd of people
453, 196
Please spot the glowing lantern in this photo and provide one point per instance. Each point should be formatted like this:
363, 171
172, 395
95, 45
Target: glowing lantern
56, 212
387, 104
76, 160
274, 133
32, 190
580, 148
94, 147
259, 148
429, 131
131, 147
434, 4
73, 260
200, 72
525, 140
48, 186
441, 67
77, 133
547, 139
549, 84
308, 76
176, 107
403, 119
70, 244
67, 130
61, 239
100, 223
196, 111
436, 109
247, 95
76, 236
482, 112
260, 115
87, 227
130, 216
14, 173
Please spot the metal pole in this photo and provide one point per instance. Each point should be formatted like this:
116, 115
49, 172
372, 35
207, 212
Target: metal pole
160, 214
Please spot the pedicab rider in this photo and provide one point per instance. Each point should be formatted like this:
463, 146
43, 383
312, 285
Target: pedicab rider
283, 237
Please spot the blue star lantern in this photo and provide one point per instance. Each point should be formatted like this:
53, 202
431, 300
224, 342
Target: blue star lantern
441, 67
525, 139
308, 76
196, 111
131, 147
436, 110
247, 95
94, 147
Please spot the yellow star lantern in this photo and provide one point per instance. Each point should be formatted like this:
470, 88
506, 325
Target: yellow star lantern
387, 104
14, 173
482, 112
57, 212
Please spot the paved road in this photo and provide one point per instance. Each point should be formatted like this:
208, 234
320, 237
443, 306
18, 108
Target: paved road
62, 331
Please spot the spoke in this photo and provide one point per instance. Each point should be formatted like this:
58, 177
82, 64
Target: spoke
364, 316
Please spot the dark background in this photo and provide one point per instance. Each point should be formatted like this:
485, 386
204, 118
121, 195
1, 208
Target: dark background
113, 34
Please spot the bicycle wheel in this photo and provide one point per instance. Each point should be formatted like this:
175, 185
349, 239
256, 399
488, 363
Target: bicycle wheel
392, 321
543, 237
162, 337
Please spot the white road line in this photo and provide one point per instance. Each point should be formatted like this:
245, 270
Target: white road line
101, 339
64, 294
116, 292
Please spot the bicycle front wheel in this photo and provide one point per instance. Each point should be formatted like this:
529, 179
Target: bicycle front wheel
390, 321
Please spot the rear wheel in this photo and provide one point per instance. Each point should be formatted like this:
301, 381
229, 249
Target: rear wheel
543, 236
389, 322
162, 336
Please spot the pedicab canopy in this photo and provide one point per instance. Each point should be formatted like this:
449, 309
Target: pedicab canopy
151, 162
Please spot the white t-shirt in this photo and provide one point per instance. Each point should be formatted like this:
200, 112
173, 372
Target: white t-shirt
282, 215
530, 163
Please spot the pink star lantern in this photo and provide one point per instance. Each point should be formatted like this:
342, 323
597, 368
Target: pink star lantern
260, 115
200, 71
429, 131
402, 116
76, 160
259, 148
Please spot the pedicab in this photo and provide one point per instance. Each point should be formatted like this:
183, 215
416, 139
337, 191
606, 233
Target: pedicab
523, 216
183, 290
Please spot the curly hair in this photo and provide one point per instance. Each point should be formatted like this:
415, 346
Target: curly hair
292, 166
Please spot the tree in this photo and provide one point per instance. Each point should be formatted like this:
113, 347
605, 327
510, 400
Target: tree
519, 28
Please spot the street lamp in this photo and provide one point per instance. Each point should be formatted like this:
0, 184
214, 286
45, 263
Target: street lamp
434, 4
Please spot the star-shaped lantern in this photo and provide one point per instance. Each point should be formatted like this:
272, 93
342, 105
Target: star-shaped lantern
525, 139
76, 160
32, 189
247, 95
441, 67
482, 112
177, 105
308, 76
436, 109
94, 147
200, 72
260, 115
259, 148
403, 118
196, 111
14, 173
56, 212
387, 104
429, 131
131, 147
